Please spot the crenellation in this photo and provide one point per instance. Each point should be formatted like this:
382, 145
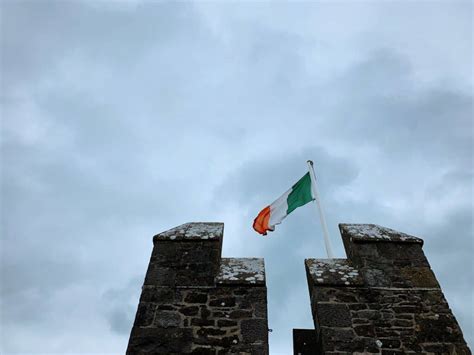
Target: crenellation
393, 305
194, 301
383, 299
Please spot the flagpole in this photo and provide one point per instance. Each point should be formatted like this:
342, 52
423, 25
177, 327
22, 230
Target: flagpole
320, 211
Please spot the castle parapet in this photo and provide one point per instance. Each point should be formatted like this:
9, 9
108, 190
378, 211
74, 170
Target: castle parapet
387, 258
194, 301
383, 299
188, 255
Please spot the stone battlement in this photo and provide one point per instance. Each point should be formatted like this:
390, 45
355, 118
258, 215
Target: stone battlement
383, 299
194, 301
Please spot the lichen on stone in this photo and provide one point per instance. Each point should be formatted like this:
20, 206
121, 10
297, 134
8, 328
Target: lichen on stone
332, 272
241, 270
194, 230
373, 232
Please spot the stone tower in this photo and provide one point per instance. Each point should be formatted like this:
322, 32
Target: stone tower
383, 299
194, 301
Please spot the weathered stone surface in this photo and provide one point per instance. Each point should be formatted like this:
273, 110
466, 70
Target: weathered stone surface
365, 330
189, 310
157, 294
205, 312
203, 322
333, 315
205, 332
395, 305
384, 299
204, 351
241, 271
160, 341
333, 272
375, 233
418, 277
260, 308
145, 314
223, 302
188, 255
160, 276
167, 319
194, 303
254, 330
225, 323
196, 297
239, 314
193, 231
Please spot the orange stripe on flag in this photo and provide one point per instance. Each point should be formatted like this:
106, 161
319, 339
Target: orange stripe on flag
260, 224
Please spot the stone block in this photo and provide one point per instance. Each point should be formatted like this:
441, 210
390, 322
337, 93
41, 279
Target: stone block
196, 297
238, 314
160, 276
333, 315
145, 314
149, 341
364, 330
438, 348
205, 312
158, 295
226, 323
223, 302
205, 332
167, 319
375, 277
260, 309
254, 330
390, 343
401, 254
189, 310
204, 351
419, 277
339, 340
203, 322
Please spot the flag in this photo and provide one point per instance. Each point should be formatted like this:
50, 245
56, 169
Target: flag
299, 195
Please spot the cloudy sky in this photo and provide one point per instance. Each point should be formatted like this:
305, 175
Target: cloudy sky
124, 119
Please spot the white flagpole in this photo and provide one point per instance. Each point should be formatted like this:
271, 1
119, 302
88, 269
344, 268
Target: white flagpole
320, 211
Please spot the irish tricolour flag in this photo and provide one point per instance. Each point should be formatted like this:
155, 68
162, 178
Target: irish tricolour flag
299, 195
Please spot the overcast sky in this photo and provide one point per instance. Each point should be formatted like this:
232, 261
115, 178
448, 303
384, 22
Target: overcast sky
124, 119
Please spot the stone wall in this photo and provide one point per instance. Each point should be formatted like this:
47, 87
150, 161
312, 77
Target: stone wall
194, 301
382, 299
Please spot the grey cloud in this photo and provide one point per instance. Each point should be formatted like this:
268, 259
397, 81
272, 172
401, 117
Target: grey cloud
35, 33
379, 103
261, 180
123, 122
119, 305
450, 255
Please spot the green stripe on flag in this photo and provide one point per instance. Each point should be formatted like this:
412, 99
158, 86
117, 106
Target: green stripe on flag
300, 194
